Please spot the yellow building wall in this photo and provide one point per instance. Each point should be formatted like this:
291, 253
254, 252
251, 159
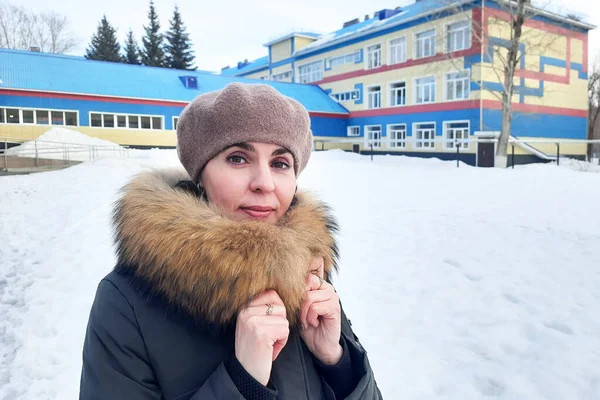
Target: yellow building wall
283, 68
409, 33
409, 75
281, 51
577, 51
140, 137
300, 42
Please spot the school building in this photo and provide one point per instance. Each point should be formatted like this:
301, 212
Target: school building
416, 80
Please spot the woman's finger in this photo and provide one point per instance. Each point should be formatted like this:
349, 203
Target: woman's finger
312, 297
326, 309
314, 283
262, 309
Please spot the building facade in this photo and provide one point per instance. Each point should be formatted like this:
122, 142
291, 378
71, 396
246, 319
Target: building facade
426, 77
419, 80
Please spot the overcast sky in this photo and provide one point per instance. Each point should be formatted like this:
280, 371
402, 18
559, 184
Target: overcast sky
227, 31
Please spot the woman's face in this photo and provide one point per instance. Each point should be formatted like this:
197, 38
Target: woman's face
251, 181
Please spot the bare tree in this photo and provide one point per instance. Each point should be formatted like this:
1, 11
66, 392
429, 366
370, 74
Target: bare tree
593, 105
504, 43
21, 29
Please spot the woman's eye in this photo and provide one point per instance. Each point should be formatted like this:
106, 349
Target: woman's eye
235, 159
280, 164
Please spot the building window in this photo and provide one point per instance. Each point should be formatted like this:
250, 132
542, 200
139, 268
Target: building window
458, 85
425, 44
397, 136
283, 76
425, 90
312, 72
374, 97
264, 78
456, 133
105, 120
37, 117
121, 121
424, 135
175, 122
349, 58
345, 96
398, 94
458, 36
398, 50
12, 116
134, 122
373, 136
28, 117
374, 56
353, 131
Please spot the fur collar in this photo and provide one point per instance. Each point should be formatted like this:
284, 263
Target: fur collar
211, 266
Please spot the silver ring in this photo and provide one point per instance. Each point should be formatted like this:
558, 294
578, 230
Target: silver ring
269, 309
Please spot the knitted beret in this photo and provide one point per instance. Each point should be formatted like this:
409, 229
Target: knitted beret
240, 113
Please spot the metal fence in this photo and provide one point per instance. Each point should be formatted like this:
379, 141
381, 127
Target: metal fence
527, 145
45, 153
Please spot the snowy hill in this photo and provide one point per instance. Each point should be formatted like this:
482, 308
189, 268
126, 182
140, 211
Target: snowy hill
461, 283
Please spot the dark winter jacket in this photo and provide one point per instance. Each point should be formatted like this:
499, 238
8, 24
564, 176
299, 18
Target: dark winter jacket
162, 324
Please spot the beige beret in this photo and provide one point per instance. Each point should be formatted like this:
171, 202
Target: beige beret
240, 113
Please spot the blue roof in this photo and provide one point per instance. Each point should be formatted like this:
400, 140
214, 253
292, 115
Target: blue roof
256, 64
68, 74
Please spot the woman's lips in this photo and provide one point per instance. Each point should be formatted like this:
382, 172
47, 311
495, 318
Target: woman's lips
258, 211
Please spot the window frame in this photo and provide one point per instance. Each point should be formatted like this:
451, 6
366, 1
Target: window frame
447, 32
354, 54
390, 50
299, 80
390, 97
396, 141
368, 55
127, 115
366, 137
289, 71
416, 43
416, 140
467, 86
463, 141
416, 90
350, 127
368, 97
35, 118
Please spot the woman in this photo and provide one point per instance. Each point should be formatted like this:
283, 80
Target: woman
222, 288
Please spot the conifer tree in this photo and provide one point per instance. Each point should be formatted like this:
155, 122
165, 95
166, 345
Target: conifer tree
152, 53
104, 45
132, 53
178, 49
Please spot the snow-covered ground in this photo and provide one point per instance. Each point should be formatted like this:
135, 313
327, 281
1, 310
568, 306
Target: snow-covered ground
461, 283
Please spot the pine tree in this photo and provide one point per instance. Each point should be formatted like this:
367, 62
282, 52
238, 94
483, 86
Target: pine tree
104, 45
153, 53
178, 49
132, 53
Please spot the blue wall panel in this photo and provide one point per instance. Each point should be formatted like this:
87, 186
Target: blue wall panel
330, 127
538, 125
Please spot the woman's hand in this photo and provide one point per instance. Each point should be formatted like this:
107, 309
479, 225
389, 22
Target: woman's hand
259, 338
321, 316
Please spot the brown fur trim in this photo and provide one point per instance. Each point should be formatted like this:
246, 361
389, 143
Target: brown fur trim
210, 265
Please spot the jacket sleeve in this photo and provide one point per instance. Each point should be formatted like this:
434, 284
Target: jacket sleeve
366, 386
115, 361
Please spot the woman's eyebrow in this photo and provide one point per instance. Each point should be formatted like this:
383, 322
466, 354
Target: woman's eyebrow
280, 151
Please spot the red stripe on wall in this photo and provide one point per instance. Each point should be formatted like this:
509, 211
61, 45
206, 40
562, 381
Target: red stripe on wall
327, 115
529, 108
543, 26
543, 76
585, 53
105, 99
408, 63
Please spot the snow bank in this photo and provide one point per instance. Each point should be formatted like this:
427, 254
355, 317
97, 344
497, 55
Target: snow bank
579, 165
62, 143
461, 283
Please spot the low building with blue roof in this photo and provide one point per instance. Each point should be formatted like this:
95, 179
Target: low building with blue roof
131, 105
415, 80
